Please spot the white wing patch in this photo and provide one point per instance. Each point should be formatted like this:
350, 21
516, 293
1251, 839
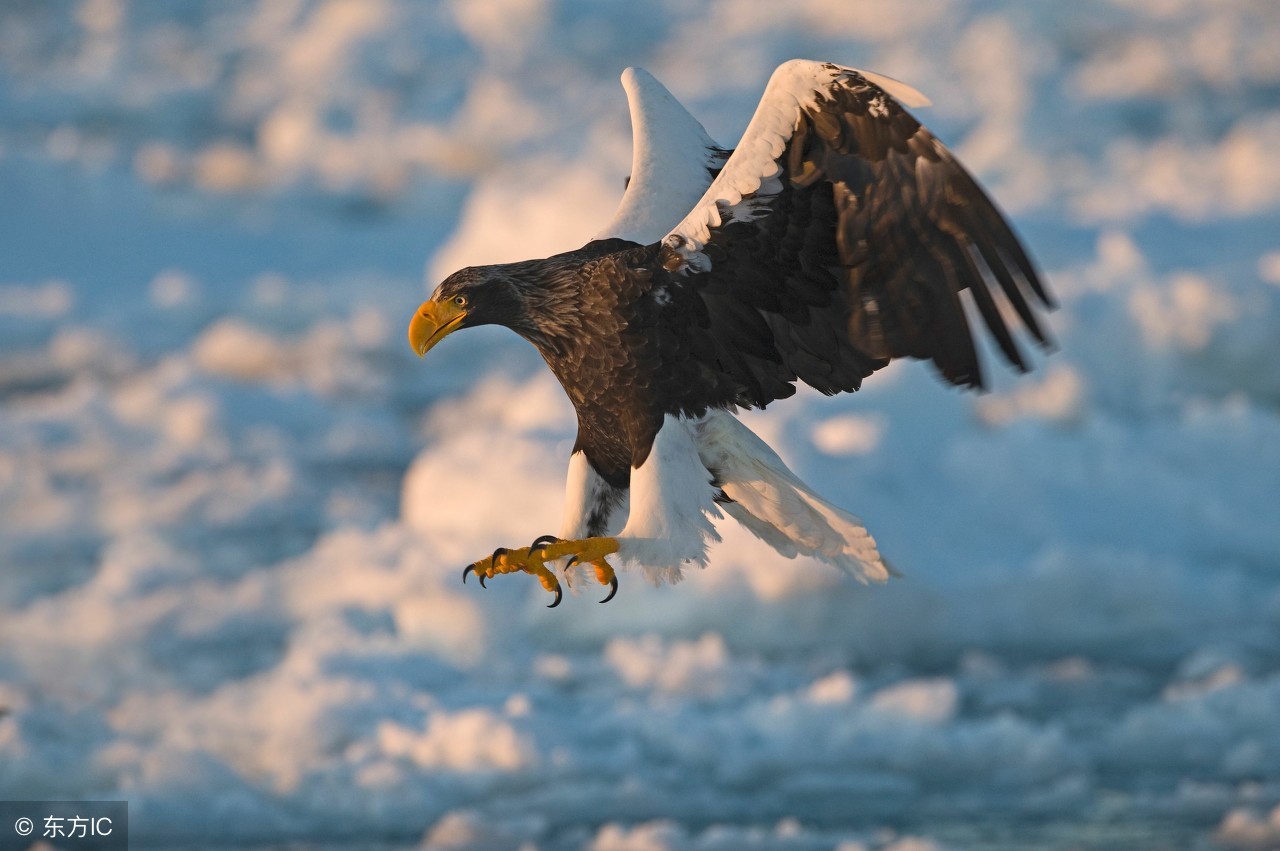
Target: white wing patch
671, 158
753, 175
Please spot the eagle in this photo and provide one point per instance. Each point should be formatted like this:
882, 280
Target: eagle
838, 235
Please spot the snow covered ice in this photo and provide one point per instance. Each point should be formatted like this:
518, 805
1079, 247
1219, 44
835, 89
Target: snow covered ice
234, 508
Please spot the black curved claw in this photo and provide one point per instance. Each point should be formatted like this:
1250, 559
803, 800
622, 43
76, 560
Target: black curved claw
470, 569
542, 541
559, 597
613, 589
571, 562
493, 562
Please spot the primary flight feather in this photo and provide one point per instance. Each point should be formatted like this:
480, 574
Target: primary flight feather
840, 234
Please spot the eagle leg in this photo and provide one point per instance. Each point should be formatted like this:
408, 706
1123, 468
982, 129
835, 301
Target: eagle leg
533, 559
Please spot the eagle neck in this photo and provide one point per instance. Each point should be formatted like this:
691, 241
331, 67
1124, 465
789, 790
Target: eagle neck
548, 296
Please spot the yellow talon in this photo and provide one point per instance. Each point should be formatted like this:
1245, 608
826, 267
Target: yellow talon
533, 559
606, 576
604, 573
547, 578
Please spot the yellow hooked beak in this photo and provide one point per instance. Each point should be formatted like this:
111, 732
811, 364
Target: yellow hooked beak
434, 321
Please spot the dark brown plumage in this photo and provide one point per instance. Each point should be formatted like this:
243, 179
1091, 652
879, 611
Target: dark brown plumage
861, 255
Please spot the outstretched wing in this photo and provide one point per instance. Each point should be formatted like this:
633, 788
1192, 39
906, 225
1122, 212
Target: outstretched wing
673, 162
842, 234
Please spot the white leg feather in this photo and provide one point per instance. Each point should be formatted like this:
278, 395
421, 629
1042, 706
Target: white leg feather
672, 501
592, 507
777, 507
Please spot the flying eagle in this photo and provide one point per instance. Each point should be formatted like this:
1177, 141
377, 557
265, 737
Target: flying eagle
840, 234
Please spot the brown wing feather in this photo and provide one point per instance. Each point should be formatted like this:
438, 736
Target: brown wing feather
860, 256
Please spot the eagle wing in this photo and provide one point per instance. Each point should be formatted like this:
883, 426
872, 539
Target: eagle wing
673, 162
842, 234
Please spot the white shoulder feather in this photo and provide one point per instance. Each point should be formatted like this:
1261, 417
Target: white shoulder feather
754, 170
671, 164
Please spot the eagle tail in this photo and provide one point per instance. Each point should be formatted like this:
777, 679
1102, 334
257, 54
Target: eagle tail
776, 506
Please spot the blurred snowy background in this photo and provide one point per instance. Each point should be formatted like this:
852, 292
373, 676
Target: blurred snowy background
234, 507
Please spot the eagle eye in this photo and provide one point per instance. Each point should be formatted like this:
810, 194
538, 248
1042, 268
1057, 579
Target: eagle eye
460, 300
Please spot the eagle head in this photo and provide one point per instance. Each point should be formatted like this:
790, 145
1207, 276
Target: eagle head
469, 297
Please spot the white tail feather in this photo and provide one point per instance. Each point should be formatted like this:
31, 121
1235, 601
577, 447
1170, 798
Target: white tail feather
777, 507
